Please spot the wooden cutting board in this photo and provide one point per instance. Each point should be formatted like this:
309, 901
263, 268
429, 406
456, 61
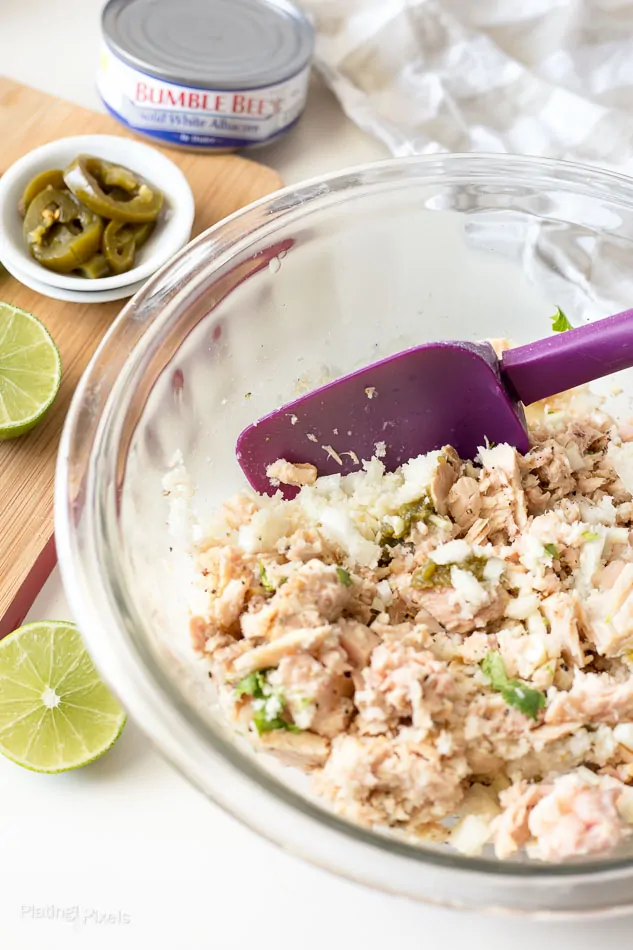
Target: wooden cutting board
221, 184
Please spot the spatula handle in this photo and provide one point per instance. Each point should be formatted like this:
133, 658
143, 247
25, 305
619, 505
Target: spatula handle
569, 359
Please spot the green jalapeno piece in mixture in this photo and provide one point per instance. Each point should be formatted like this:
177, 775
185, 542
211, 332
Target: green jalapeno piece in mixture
96, 182
60, 232
53, 179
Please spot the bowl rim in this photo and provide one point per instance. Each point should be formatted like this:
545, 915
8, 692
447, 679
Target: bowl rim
139, 680
74, 296
173, 182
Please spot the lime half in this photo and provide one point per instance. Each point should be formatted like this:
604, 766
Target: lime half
55, 712
30, 371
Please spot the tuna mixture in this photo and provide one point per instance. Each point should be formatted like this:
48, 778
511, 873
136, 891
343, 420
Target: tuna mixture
447, 648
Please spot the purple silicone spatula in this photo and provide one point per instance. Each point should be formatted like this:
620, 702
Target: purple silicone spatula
436, 394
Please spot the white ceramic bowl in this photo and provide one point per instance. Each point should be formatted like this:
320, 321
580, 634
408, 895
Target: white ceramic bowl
75, 296
171, 234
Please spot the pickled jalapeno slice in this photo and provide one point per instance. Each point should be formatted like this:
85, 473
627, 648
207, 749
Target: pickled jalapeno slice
61, 233
99, 184
120, 242
53, 178
142, 233
119, 246
94, 268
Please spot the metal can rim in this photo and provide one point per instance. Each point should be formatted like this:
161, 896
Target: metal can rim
282, 9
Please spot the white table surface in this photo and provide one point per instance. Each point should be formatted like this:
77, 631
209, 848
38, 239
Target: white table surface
125, 853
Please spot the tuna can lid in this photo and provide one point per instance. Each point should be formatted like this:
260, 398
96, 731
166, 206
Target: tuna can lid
213, 44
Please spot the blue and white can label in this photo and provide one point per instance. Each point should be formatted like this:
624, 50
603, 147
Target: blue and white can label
192, 117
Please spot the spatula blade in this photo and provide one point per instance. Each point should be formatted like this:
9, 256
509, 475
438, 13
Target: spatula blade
408, 404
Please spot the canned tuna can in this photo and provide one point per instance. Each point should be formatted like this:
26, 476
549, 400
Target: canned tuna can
205, 75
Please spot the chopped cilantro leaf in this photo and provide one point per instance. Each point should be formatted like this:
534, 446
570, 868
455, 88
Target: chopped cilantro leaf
266, 715
263, 723
527, 700
560, 323
551, 549
344, 576
516, 693
252, 685
590, 536
263, 576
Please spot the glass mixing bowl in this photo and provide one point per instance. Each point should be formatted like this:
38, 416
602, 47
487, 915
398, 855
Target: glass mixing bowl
308, 284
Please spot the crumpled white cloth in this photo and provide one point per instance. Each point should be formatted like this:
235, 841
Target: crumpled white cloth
538, 77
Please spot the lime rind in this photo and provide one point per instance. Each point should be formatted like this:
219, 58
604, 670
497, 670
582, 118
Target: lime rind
56, 714
30, 371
